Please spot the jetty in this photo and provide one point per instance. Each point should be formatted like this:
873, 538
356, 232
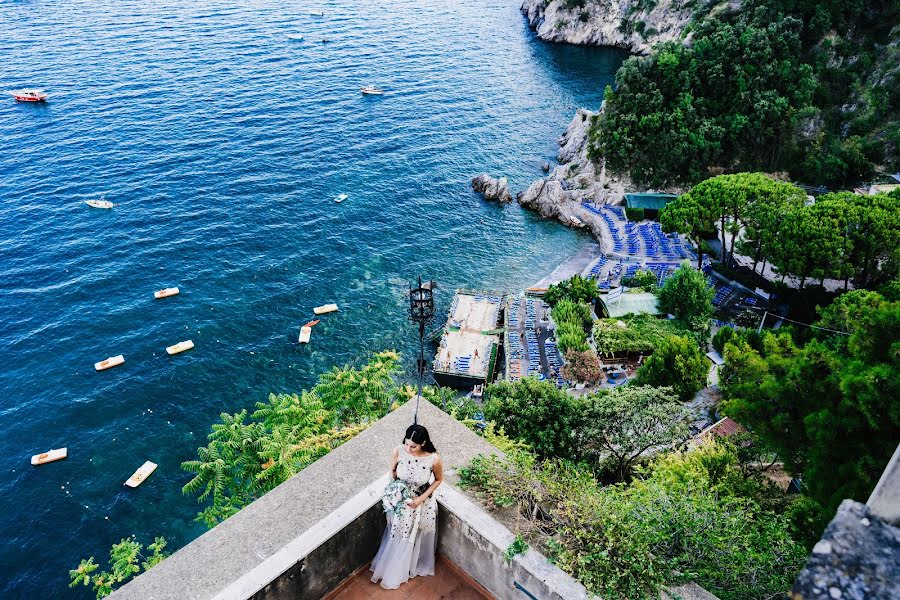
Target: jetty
471, 340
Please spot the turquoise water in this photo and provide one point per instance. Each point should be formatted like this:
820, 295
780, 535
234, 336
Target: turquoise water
224, 142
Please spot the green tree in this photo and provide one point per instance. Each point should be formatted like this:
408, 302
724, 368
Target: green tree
124, 562
687, 296
830, 408
622, 425
687, 215
676, 363
576, 289
536, 412
582, 366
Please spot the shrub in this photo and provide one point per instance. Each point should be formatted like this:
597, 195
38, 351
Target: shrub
676, 363
582, 366
536, 412
634, 214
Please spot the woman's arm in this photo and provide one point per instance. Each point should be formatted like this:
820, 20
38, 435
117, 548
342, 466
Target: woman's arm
395, 458
438, 470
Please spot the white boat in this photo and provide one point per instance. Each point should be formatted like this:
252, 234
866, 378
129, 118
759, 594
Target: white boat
179, 347
112, 361
29, 95
371, 90
325, 308
317, 13
305, 332
341, 197
166, 292
101, 203
141, 474
49, 456
295, 36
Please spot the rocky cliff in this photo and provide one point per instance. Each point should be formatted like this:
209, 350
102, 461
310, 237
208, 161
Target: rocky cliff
633, 25
577, 178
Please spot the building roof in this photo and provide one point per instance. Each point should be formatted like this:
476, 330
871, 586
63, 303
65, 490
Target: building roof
638, 304
722, 428
652, 201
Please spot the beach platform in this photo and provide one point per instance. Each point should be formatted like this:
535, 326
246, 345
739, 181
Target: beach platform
467, 352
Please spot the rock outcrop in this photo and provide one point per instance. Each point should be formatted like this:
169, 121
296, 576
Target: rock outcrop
492, 189
632, 25
577, 178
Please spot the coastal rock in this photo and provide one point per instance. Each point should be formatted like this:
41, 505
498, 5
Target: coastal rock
545, 167
559, 195
632, 25
492, 189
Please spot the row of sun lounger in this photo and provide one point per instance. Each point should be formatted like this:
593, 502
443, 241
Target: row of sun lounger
552, 354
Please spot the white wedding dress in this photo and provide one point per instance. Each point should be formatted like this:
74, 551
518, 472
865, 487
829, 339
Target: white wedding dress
410, 538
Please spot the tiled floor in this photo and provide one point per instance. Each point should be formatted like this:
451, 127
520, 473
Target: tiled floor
445, 584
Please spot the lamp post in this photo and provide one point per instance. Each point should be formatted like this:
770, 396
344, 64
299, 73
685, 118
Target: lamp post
421, 311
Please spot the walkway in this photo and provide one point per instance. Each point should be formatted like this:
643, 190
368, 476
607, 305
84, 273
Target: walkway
446, 584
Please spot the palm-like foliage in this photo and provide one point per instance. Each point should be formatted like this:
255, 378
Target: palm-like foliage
245, 459
123, 564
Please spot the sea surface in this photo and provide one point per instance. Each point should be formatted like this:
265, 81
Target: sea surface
223, 143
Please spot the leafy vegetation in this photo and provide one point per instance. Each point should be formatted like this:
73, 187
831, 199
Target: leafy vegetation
536, 412
677, 363
687, 296
688, 516
622, 425
841, 235
800, 86
582, 366
124, 563
248, 456
577, 289
633, 334
645, 280
830, 407
572, 324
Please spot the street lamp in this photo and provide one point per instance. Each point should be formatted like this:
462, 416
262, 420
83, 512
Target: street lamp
421, 311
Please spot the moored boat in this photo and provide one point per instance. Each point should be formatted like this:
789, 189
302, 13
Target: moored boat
325, 308
180, 347
371, 90
166, 292
112, 361
141, 474
311, 323
49, 456
29, 95
340, 198
101, 203
295, 36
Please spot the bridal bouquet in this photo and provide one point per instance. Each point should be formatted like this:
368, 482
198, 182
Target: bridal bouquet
396, 493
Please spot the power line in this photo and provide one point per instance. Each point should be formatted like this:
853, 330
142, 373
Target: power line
815, 326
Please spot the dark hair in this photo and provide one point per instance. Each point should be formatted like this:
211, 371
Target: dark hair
419, 435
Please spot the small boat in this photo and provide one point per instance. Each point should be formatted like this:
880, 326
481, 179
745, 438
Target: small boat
141, 474
317, 13
341, 198
295, 37
166, 292
312, 323
49, 456
372, 90
325, 40
325, 308
101, 203
112, 361
29, 95
305, 332
180, 347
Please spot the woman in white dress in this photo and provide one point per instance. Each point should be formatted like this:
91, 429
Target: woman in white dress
410, 538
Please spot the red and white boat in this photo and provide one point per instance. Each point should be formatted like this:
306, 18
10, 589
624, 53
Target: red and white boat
29, 95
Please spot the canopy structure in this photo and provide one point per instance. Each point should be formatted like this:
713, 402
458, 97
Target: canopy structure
637, 304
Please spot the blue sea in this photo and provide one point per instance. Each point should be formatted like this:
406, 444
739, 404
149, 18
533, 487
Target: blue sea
223, 143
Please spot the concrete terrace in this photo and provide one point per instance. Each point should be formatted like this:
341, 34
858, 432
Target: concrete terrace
306, 538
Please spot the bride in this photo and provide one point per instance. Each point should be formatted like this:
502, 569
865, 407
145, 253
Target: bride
409, 541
